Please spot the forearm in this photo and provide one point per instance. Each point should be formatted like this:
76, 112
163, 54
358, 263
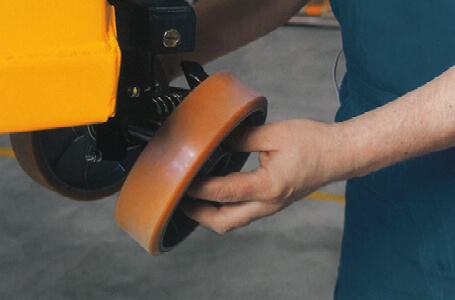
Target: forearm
223, 26
418, 123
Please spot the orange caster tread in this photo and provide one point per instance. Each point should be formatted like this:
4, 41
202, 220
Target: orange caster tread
177, 152
32, 159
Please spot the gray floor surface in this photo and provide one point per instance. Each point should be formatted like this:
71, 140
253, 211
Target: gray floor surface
54, 248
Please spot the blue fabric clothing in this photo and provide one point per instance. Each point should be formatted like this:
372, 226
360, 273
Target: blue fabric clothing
399, 235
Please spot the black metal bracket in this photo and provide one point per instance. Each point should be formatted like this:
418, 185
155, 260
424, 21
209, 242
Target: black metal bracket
145, 28
160, 26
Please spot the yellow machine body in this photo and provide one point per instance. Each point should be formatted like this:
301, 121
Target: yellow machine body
59, 63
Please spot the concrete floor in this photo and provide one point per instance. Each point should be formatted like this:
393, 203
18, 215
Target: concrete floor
54, 248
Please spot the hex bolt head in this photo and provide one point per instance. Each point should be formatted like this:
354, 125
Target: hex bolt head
134, 92
171, 38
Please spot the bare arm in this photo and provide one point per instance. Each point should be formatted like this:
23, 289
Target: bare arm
299, 156
418, 123
223, 26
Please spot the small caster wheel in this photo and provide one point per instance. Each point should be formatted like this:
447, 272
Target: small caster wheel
187, 144
64, 160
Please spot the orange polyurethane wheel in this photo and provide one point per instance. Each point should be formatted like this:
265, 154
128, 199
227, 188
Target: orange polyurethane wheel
57, 159
147, 207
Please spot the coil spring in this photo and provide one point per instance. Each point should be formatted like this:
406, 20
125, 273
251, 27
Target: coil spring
165, 105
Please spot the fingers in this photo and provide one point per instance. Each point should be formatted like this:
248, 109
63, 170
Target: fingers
244, 197
233, 188
251, 139
222, 219
258, 185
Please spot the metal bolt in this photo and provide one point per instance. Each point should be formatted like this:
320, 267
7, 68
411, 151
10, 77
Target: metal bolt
134, 92
95, 157
171, 38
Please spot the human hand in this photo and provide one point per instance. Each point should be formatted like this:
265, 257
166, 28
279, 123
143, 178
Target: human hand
296, 158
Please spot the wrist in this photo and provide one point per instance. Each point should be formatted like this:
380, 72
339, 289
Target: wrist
341, 153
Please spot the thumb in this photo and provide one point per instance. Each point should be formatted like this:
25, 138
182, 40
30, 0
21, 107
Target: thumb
235, 187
